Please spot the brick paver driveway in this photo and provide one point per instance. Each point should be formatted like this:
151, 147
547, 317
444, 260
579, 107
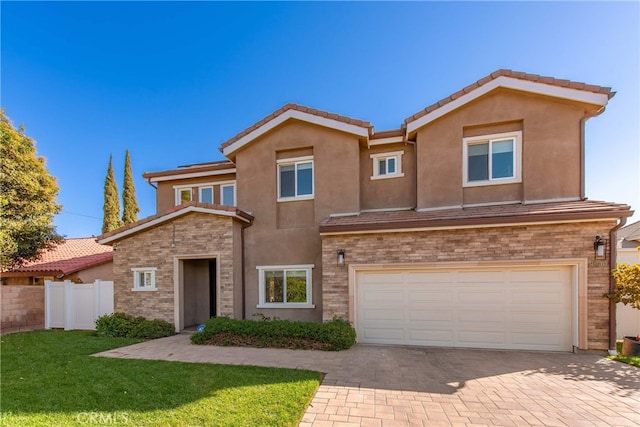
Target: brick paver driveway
399, 386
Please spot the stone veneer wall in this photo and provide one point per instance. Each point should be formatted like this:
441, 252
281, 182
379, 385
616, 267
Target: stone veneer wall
195, 233
21, 308
533, 242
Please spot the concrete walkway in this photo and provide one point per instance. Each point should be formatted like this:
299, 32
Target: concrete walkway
400, 386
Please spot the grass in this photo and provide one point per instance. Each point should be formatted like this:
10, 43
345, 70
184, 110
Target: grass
629, 360
48, 378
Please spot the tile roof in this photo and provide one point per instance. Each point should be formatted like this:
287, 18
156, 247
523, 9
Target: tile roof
70, 256
516, 75
173, 210
630, 232
302, 109
201, 167
480, 215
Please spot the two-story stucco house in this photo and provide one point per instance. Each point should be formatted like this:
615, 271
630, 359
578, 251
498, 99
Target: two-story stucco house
467, 226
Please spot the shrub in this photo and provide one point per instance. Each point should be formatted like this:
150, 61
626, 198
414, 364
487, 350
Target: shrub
121, 325
334, 335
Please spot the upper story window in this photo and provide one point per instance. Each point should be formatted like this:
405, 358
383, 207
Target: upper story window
144, 279
285, 286
228, 194
206, 194
295, 178
492, 159
387, 165
183, 195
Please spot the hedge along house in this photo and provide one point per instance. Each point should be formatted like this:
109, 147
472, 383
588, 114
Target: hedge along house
467, 226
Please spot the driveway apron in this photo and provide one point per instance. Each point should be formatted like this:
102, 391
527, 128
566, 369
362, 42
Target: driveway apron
403, 386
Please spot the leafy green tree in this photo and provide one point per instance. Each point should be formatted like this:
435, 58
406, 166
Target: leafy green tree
27, 199
111, 205
627, 290
130, 204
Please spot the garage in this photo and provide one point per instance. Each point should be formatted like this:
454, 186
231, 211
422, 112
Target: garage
527, 308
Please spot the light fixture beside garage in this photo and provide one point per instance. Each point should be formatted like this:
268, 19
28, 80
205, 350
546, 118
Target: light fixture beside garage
599, 245
341, 260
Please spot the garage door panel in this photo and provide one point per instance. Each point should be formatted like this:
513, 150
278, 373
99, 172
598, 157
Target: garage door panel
510, 308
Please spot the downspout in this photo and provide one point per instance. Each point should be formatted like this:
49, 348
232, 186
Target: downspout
151, 184
415, 169
613, 254
244, 296
583, 121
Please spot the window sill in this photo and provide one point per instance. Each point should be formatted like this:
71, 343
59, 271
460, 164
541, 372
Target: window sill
285, 305
294, 199
493, 182
388, 176
144, 289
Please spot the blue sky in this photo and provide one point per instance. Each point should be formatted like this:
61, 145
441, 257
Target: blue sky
171, 81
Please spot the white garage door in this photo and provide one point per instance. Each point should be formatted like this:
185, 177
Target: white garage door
514, 308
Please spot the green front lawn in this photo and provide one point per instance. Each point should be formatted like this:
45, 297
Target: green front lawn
629, 360
48, 378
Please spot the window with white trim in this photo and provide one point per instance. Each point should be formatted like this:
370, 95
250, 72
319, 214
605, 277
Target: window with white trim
144, 279
183, 195
228, 194
285, 286
387, 165
492, 159
295, 178
205, 194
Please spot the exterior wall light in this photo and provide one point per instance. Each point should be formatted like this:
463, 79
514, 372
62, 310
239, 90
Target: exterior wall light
599, 246
341, 259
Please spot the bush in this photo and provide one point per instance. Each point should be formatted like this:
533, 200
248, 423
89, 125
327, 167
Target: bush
121, 325
334, 335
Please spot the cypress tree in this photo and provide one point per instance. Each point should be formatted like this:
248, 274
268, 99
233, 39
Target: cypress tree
111, 207
130, 207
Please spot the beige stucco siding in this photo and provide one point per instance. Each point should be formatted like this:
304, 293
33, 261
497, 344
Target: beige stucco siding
195, 234
391, 192
286, 233
166, 193
495, 244
550, 150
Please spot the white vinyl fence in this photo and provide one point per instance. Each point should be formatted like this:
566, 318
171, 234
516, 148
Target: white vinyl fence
76, 306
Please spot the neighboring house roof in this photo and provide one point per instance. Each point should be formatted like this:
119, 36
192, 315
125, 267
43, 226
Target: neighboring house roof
567, 89
629, 236
357, 127
475, 216
70, 256
169, 214
192, 171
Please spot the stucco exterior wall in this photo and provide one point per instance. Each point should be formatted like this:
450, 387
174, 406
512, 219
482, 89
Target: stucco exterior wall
166, 194
534, 242
550, 150
196, 235
91, 274
391, 192
286, 233
21, 308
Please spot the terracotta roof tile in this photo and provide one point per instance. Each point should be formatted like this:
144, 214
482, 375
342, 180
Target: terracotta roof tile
300, 108
202, 167
373, 221
517, 75
174, 209
70, 256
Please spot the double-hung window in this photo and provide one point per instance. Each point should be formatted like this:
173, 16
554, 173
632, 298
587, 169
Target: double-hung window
206, 194
493, 159
285, 286
295, 178
387, 165
144, 279
228, 194
183, 195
